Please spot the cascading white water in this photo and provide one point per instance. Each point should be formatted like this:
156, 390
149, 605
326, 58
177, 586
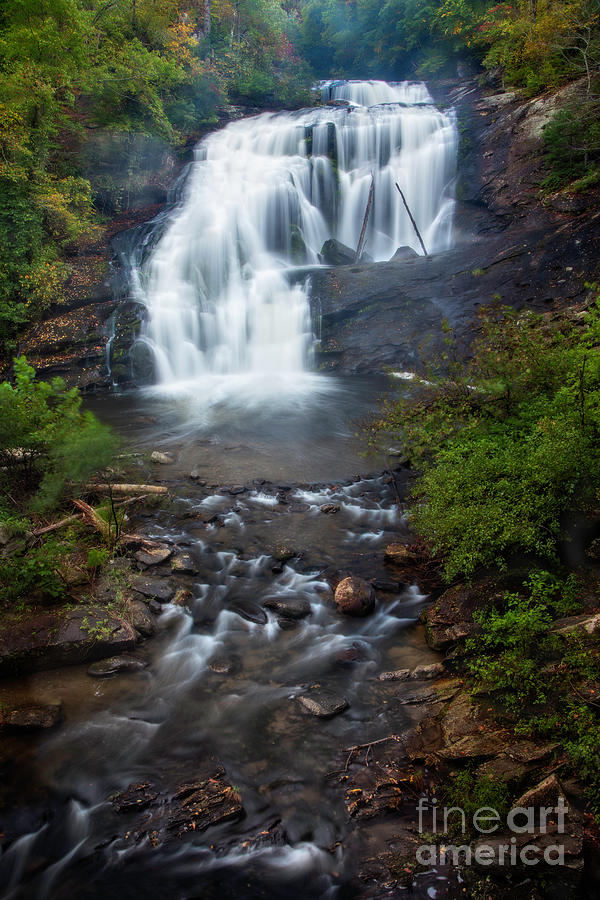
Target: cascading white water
263, 195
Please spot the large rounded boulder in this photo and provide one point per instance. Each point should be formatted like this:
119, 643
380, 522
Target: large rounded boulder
354, 596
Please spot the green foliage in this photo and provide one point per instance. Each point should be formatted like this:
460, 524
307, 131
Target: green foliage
147, 67
470, 793
48, 444
530, 44
572, 145
543, 682
583, 747
113, 517
34, 573
506, 443
96, 557
508, 653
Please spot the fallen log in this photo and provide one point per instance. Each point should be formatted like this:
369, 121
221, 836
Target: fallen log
91, 517
55, 526
363, 231
410, 216
126, 488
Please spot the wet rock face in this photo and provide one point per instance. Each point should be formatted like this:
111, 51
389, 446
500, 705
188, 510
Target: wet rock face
354, 596
61, 637
507, 244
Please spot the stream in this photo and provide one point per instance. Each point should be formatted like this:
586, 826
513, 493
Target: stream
282, 502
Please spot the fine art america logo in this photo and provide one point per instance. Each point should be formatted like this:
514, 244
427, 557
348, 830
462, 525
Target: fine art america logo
516, 843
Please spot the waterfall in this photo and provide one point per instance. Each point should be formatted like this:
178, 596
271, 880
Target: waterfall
262, 196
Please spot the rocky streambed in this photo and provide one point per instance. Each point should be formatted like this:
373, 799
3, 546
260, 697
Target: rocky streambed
267, 704
214, 687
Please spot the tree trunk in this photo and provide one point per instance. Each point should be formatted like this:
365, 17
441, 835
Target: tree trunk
206, 18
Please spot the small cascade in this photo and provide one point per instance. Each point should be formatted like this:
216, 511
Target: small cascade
263, 196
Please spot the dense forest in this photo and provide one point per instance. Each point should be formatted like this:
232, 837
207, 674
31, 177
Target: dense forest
75, 70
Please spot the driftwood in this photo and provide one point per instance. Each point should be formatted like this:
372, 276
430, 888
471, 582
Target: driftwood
91, 517
47, 529
78, 517
125, 488
410, 215
363, 230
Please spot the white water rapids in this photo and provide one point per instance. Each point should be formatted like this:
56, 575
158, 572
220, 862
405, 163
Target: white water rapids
263, 195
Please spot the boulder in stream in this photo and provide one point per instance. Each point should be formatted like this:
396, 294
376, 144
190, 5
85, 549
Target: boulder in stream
354, 596
142, 618
225, 665
161, 589
404, 253
164, 459
289, 607
114, 665
30, 715
153, 556
335, 253
323, 703
250, 611
234, 489
184, 565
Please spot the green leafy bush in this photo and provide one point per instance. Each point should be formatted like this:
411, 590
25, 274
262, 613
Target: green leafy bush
514, 642
48, 444
572, 145
469, 792
506, 443
35, 573
544, 682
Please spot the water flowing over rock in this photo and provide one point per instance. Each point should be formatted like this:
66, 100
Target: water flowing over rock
264, 195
